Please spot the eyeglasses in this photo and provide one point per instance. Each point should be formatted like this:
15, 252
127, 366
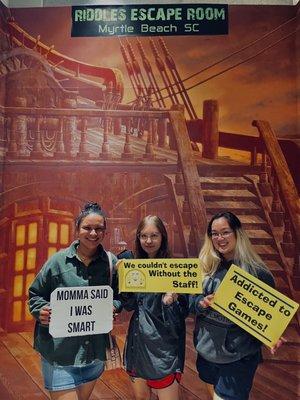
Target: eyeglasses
154, 237
224, 234
98, 230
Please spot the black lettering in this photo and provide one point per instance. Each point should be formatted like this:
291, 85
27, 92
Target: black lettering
83, 310
128, 265
238, 296
152, 272
78, 327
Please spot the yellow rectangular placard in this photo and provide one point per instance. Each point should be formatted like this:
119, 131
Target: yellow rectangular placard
254, 306
180, 275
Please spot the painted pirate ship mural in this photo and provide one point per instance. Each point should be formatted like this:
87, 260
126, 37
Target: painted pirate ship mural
134, 136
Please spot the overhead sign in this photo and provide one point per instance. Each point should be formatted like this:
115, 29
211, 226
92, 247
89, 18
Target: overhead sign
254, 306
150, 20
181, 275
82, 310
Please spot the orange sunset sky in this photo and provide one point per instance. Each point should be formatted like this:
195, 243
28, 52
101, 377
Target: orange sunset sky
265, 87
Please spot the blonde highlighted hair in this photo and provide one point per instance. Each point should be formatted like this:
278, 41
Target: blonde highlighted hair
245, 255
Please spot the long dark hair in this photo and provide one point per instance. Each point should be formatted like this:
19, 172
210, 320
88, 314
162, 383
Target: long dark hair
89, 208
232, 220
245, 255
164, 251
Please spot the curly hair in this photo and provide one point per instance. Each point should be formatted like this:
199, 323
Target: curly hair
89, 208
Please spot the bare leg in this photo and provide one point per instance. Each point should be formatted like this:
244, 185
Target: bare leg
169, 393
140, 389
64, 395
210, 389
216, 397
84, 391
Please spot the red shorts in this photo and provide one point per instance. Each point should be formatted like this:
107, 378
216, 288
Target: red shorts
161, 383
164, 382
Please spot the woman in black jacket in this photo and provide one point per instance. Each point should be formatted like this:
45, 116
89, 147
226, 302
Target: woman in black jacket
228, 356
155, 345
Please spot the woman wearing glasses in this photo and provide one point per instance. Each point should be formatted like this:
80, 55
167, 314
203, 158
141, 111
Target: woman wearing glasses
228, 356
155, 345
71, 365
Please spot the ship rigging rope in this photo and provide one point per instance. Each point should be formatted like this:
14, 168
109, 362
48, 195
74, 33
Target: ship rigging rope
239, 50
230, 55
239, 63
232, 66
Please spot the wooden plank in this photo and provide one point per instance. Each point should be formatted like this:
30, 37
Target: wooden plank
242, 207
190, 174
279, 375
185, 394
287, 369
260, 393
289, 354
20, 348
231, 193
177, 214
27, 336
192, 383
14, 379
26, 356
285, 180
227, 180
6, 392
272, 372
118, 381
272, 388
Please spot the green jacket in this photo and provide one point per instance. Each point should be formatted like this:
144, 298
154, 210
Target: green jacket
64, 269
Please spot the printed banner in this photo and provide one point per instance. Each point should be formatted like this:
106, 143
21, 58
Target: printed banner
181, 275
83, 310
150, 20
254, 306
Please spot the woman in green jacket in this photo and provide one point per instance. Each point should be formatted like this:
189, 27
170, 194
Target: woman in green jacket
71, 365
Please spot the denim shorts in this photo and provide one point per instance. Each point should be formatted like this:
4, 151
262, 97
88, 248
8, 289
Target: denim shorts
69, 377
232, 381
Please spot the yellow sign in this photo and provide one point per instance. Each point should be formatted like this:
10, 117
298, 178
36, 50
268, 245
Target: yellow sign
181, 275
254, 306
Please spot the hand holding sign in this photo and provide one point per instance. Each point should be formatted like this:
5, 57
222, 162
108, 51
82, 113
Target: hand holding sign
278, 344
160, 275
169, 298
207, 301
45, 315
82, 310
254, 306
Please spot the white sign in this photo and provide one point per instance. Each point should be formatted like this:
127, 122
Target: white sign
81, 310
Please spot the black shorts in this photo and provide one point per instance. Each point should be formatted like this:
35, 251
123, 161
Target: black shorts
232, 381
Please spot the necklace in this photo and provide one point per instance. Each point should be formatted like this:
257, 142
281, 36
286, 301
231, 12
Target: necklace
82, 257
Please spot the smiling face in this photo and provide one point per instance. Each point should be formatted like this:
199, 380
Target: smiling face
223, 238
150, 239
91, 232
